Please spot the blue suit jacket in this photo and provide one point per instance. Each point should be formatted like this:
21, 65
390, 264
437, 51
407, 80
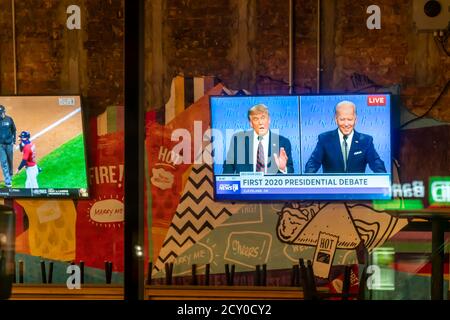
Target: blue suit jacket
240, 153
328, 154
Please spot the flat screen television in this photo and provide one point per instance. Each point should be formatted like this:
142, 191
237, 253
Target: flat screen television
43, 137
301, 147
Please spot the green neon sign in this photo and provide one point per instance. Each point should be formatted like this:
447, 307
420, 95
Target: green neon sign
439, 194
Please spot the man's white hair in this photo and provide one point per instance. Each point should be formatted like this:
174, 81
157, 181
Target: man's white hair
342, 103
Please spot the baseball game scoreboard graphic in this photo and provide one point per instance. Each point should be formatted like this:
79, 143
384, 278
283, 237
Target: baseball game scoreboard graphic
318, 147
42, 147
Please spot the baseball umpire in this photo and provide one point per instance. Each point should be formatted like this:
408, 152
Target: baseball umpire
7, 141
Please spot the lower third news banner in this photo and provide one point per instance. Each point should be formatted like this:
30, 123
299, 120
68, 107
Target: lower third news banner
257, 186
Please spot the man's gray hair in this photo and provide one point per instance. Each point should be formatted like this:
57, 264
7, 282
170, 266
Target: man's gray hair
258, 108
342, 103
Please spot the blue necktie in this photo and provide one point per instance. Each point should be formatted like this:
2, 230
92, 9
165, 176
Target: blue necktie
345, 152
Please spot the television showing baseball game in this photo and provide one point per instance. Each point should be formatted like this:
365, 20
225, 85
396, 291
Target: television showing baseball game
42, 147
306, 147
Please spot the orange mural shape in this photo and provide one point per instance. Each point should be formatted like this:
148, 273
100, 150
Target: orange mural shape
167, 170
101, 219
51, 232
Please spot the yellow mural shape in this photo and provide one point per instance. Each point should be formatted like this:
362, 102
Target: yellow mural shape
51, 230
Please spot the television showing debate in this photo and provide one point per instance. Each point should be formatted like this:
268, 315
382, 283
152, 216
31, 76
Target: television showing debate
42, 149
311, 147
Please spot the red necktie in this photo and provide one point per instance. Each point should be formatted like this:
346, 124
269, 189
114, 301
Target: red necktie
260, 156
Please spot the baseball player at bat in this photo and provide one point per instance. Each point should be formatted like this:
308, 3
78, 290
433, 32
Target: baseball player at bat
28, 160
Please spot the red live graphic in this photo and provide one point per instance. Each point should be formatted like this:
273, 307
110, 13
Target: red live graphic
376, 101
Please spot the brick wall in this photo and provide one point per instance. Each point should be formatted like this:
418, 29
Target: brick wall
39, 47
395, 54
200, 38
272, 63
200, 33
104, 46
6, 49
54, 60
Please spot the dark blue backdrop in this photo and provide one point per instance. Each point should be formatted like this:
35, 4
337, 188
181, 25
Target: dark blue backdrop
231, 113
317, 116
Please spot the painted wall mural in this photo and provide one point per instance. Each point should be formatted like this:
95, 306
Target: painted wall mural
183, 223
167, 174
85, 230
274, 234
100, 220
51, 229
248, 234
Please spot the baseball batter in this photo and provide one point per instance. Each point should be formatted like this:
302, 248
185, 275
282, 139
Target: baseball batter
28, 160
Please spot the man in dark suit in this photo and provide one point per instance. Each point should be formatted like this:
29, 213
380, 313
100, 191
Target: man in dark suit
258, 150
344, 150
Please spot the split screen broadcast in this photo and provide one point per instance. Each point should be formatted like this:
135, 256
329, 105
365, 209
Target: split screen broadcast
322, 147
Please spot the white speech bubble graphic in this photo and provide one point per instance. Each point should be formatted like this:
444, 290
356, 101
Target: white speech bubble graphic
106, 211
162, 179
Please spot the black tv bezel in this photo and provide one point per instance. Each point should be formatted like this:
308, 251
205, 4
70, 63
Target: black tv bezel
73, 193
394, 137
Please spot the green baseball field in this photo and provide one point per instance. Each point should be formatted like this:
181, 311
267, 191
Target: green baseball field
64, 167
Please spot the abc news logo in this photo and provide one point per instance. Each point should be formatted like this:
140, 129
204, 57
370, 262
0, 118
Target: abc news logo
228, 187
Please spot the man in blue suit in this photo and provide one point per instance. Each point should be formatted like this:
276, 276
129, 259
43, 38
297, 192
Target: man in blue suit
344, 150
259, 150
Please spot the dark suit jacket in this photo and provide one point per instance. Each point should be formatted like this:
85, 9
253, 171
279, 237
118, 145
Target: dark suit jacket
240, 153
329, 155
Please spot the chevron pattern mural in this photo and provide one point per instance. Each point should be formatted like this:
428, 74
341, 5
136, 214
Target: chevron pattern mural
196, 215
